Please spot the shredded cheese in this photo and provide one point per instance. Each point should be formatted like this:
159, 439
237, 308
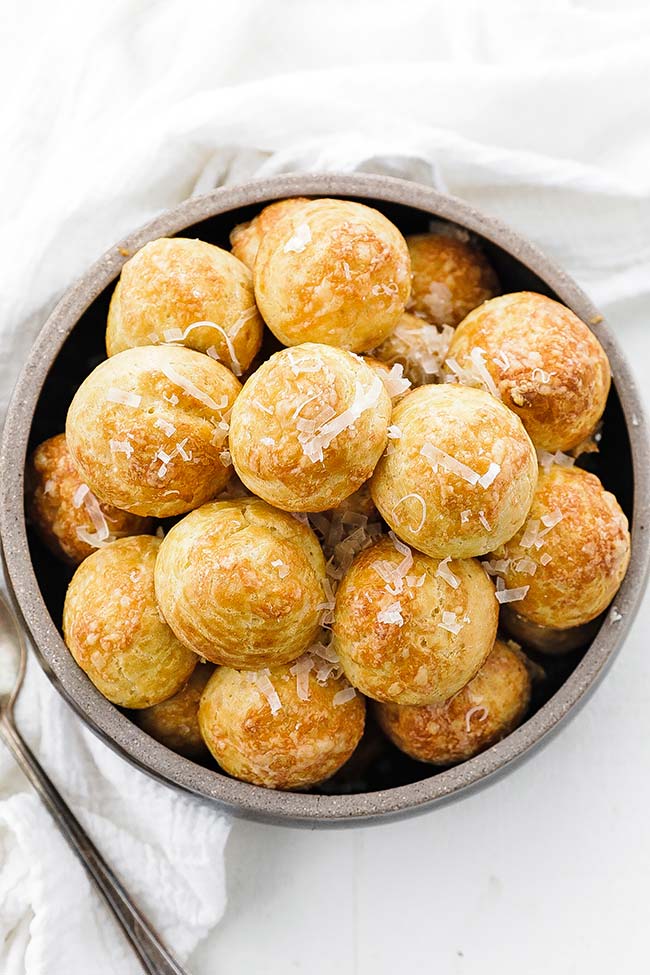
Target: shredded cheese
417, 497
444, 572
479, 709
264, 685
314, 443
510, 595
439, 458
450, 623
299, 240
391, 614
121, 447
123, 397
395, 382
185, 384
167, 428
490, 475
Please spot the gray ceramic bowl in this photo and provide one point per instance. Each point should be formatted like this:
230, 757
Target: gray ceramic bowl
380, 783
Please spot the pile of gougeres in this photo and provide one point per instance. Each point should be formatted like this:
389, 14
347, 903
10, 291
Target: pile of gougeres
352, 514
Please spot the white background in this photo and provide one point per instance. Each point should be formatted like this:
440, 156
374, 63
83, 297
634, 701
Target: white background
540, 113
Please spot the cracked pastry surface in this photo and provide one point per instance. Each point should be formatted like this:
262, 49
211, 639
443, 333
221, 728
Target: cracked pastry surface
332, 271
242, 583
309, 427
260, 730
483, 712
190, 292
460, 476
409, 629
570, 555
148, 429
451, 276
418, 346
545, 363
114, 630
63, 510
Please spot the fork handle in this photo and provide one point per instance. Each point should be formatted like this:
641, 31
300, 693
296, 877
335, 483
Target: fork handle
154, 957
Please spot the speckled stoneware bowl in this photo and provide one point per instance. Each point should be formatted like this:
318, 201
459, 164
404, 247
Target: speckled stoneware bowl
379, 783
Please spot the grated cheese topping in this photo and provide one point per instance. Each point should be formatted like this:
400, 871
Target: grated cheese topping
315, 441
526, 565
342, 697
185, 384
178, 335
479, 709
123, 397
297, 243
509, 595
121, 447
392, 614
444, 572
541, 375
490, 475
451, 623
473, 373
265, 409
486, 524
477, 356
418, 497
552, 519
395, 382
301, 670
282, 567
546, 460
265, 686
102, 532
79, 495
439, 458
167, 428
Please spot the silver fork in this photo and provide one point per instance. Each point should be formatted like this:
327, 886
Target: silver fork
154, 957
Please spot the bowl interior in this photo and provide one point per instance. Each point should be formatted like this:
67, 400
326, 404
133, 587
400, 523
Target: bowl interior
377, 765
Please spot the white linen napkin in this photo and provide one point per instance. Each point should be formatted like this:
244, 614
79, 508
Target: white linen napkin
118, 113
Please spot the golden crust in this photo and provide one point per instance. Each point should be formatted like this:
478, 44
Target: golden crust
173, 283
439, 511
482, 713
450, 277
547, 365
114, 630
332, 271
245, 237
418, 346
241, 583
303, 743
417, 661
274, 451
169, 421
175, 722
51, 485
589, 550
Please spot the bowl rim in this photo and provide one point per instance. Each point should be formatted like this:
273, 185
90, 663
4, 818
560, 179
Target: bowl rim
115, 728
